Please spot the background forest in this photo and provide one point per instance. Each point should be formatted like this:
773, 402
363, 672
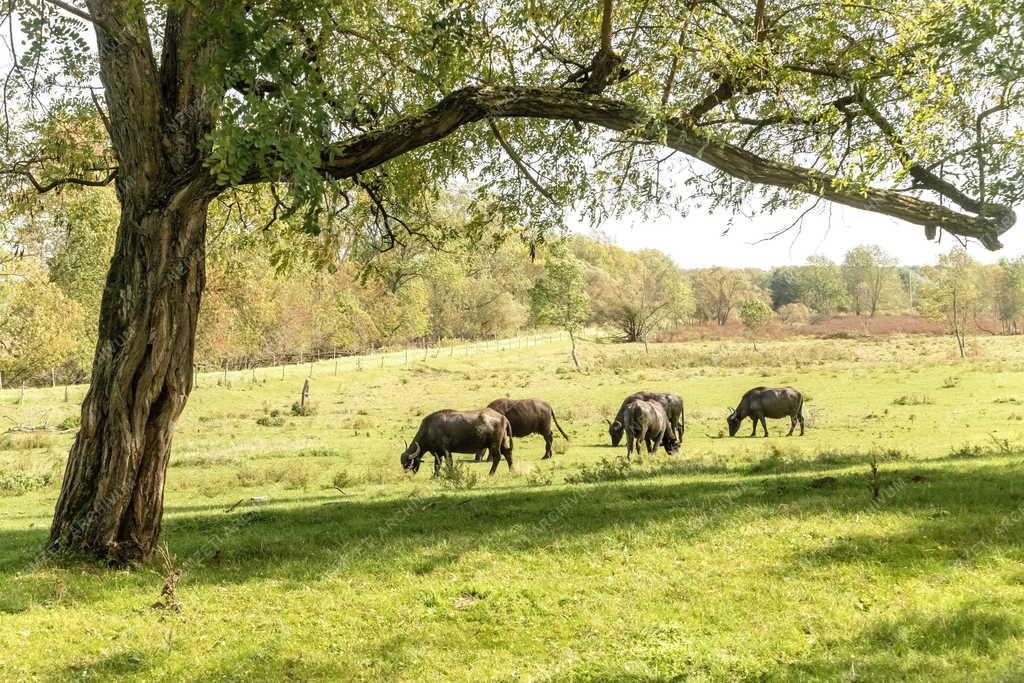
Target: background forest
271, 298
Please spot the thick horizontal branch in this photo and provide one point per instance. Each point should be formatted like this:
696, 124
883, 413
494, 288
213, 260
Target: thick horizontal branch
366, 151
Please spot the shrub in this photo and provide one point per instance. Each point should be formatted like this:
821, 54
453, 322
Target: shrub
69, 423
16, 483
300, 410
913, 400
608, 469
271, 421
457, 476
341, 479
538, 477
794, 314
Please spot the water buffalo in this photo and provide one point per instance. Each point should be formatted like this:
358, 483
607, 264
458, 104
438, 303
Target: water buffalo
646, 423
460, 431
528, 416
762, 402
672, 403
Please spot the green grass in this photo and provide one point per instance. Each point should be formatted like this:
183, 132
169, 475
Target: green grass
740, 559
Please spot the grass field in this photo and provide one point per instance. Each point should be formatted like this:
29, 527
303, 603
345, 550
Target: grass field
738, 559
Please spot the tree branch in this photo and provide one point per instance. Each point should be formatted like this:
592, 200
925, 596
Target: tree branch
925, 178
84, 15
362, 152
43, 188
518, 161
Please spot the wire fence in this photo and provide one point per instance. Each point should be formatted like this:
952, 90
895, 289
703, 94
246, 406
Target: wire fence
302, 364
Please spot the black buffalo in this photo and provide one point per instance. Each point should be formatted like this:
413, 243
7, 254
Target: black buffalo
672, 403
528, 416
646, 423
460, 431
762, 402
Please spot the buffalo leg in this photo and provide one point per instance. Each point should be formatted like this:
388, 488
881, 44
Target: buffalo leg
801, 418
479, 455
754, 433
437, 462
495, 459
792, 425
764, 426
629, 444
548, 438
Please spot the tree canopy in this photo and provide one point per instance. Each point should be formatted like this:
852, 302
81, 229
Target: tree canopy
868, 104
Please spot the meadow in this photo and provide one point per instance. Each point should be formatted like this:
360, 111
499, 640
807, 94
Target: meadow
305, 552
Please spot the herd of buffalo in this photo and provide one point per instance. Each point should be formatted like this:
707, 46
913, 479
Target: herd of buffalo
648, 419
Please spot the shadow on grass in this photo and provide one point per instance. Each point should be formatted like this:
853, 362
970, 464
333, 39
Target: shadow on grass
916, 645
305, 539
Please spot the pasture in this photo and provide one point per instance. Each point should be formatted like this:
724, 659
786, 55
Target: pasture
305, 551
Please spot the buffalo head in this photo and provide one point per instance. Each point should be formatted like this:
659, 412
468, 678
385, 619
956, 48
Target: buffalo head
615, 431
411, 457
734, 423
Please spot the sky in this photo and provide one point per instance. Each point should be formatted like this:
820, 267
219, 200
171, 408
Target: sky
696, 240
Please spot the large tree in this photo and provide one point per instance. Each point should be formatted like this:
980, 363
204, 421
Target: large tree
898, 107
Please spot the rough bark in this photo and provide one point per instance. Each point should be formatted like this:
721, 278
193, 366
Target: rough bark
111, 501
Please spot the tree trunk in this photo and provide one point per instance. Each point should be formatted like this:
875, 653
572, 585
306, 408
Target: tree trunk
572, 340
111, 501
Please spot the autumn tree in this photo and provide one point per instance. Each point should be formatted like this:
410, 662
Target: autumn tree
641, 294
38, 323
869, 274
952, 293
352, 114
559, 298
1007, 287
718, 292
821, 285
755, 314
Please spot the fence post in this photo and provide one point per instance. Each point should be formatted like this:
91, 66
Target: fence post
65, 393
1, 380
53, 378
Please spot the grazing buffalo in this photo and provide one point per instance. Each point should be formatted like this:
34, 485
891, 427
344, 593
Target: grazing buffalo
646, 423
460, 431
528, 416
672, 403
762, 402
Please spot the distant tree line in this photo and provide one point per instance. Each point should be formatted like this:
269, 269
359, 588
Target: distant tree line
262, 303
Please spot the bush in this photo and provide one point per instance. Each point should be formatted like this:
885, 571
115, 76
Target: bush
457, 476
913, 400
608, 469
271, 421
16, 483
341, 479
538, 477
794, 314
299, 410
69, 423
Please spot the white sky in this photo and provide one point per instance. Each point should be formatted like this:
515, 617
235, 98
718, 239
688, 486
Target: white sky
696, 240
